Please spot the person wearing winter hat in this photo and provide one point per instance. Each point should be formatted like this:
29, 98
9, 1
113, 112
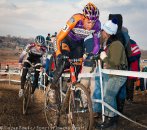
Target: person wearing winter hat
113, 57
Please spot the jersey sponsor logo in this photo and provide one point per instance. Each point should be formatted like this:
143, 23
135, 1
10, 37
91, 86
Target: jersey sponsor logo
81, 31
55, 45
66, 28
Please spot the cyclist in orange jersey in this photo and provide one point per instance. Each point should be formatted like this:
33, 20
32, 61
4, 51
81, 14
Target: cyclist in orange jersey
70, 39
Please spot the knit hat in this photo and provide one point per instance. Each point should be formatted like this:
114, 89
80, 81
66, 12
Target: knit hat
110, 27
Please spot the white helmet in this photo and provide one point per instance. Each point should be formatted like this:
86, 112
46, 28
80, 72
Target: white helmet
110, 27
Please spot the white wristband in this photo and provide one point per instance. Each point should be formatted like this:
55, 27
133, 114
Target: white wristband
103, 55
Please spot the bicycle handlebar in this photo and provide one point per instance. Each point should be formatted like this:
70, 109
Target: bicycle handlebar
92, 57
32, 64
72, 60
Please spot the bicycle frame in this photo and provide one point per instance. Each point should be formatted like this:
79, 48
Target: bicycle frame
72, 75
27, 91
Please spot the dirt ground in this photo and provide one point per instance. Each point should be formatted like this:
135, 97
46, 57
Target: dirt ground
11, 117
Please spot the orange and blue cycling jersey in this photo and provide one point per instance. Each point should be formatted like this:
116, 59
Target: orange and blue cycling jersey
75, 30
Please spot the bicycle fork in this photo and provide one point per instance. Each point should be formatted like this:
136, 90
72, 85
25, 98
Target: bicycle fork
70, 111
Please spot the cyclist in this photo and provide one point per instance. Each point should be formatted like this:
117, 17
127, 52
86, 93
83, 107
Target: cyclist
34, 52
70, 40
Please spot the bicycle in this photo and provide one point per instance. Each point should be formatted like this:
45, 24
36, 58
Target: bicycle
75, 110
28, 86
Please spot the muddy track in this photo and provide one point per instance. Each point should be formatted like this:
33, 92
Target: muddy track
11, 111
11, 108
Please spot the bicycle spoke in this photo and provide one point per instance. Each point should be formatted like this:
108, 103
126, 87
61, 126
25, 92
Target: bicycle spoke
80, 109
26, 96
51, 112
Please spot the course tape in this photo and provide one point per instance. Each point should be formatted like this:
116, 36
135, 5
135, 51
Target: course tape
125, 73
112, 109
111, 72
82, 75
106, 71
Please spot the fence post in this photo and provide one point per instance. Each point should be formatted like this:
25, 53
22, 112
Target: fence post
102, 92
60, 84
44, 81
9, 76
145, 83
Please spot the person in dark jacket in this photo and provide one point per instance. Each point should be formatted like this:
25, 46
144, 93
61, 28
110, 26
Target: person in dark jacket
134, 65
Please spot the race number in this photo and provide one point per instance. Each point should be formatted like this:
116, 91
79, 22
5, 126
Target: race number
66, 28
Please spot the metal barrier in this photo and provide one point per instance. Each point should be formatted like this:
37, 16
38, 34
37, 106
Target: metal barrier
9, 73
12, 72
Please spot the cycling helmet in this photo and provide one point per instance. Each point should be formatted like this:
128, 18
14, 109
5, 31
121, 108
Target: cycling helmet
91, 12
40, 40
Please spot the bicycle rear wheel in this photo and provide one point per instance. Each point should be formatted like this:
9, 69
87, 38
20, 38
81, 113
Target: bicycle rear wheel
26, 96
80, 109
51, 110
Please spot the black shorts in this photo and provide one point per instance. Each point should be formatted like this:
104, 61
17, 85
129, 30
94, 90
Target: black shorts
76, 48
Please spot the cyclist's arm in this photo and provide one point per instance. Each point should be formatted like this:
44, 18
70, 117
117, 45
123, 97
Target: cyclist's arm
64, 32
96, 46
96, 38
44, 57
24, 53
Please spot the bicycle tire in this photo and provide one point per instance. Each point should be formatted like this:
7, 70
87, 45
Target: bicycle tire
51, 111
26, 96
80, 109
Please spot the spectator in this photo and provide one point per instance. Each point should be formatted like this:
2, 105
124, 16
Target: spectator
7, 68
55, 34
123, 36
48, 38
139, 85
114, 57
134, 65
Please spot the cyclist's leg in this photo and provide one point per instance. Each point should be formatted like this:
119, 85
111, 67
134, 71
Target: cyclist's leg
24, 73
77, 50
36, 76
23, 78
65, 49
86, 81
58, 72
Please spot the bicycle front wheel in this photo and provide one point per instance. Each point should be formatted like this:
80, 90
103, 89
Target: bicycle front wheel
80, 109
26, 96
51, 110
